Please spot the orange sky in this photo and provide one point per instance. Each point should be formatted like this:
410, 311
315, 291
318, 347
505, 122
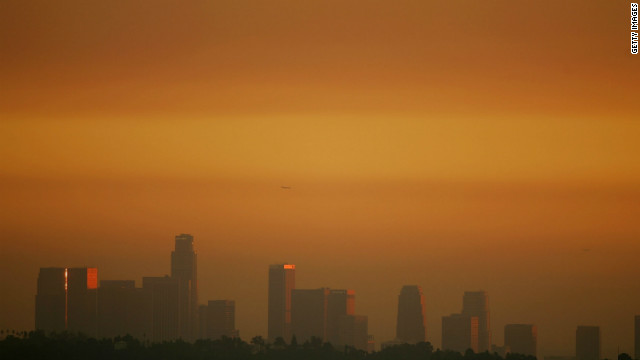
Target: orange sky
455, 145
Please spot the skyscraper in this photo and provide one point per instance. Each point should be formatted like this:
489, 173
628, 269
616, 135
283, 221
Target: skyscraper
637, 337
309, 313
67, 300
51, 300
82, 300
163, 297
122, 309
353, 331
460, 333
588, 343
281, 281
411, 326
221, 319
476, 303
340, 303
184, 267
521, 338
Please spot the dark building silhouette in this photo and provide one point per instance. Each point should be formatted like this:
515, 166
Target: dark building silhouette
637, 337
282, 281
353, 330
340, 303
122, 309
411, 325
67, 300
588, 343
476, 303
184, 267
163, 299
221, 319
460, 333
51, 300
309, 313
82, 300
521, 338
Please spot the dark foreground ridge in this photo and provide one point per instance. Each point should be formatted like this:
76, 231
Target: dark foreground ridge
68, 346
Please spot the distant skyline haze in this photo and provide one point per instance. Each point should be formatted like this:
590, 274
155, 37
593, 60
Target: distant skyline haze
459, 146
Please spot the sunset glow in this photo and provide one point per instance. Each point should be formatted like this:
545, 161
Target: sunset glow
456, 145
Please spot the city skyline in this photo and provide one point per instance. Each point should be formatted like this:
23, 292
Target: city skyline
458, 147
312, 311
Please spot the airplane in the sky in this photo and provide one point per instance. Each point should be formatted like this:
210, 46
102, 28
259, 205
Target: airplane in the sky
285, 187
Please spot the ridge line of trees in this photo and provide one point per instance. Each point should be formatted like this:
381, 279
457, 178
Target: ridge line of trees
70, 346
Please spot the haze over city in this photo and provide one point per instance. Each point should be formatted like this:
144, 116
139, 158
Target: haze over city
458, 146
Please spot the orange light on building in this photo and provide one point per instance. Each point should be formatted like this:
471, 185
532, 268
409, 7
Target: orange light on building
92, 278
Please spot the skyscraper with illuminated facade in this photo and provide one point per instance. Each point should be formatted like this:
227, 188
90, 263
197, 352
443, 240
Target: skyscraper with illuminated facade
476, 303
282, 281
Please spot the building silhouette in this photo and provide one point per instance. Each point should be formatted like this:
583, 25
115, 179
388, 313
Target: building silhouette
636, 341
221, 319
460, 333
184, 267
309, 313
122, 309
476, 303
588, 343
163, 298
340, 303
51, 300
67, 300
282, 281
411, 325
353, 331
521, 338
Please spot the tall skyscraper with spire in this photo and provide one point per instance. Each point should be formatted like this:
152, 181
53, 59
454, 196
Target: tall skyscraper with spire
476, 303
184, 267
411, 326
282, 280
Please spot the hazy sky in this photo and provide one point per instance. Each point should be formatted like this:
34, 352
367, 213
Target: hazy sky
456, 145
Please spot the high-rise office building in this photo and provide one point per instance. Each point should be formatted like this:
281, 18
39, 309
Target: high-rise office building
122, 309
521, 338
637, 337
51, 300
221, 319
353, 331
476, 303
67, 300
282, 279
588, 343
411, 325
309, 313
460, 333
340, 303
184, 267
163, 297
